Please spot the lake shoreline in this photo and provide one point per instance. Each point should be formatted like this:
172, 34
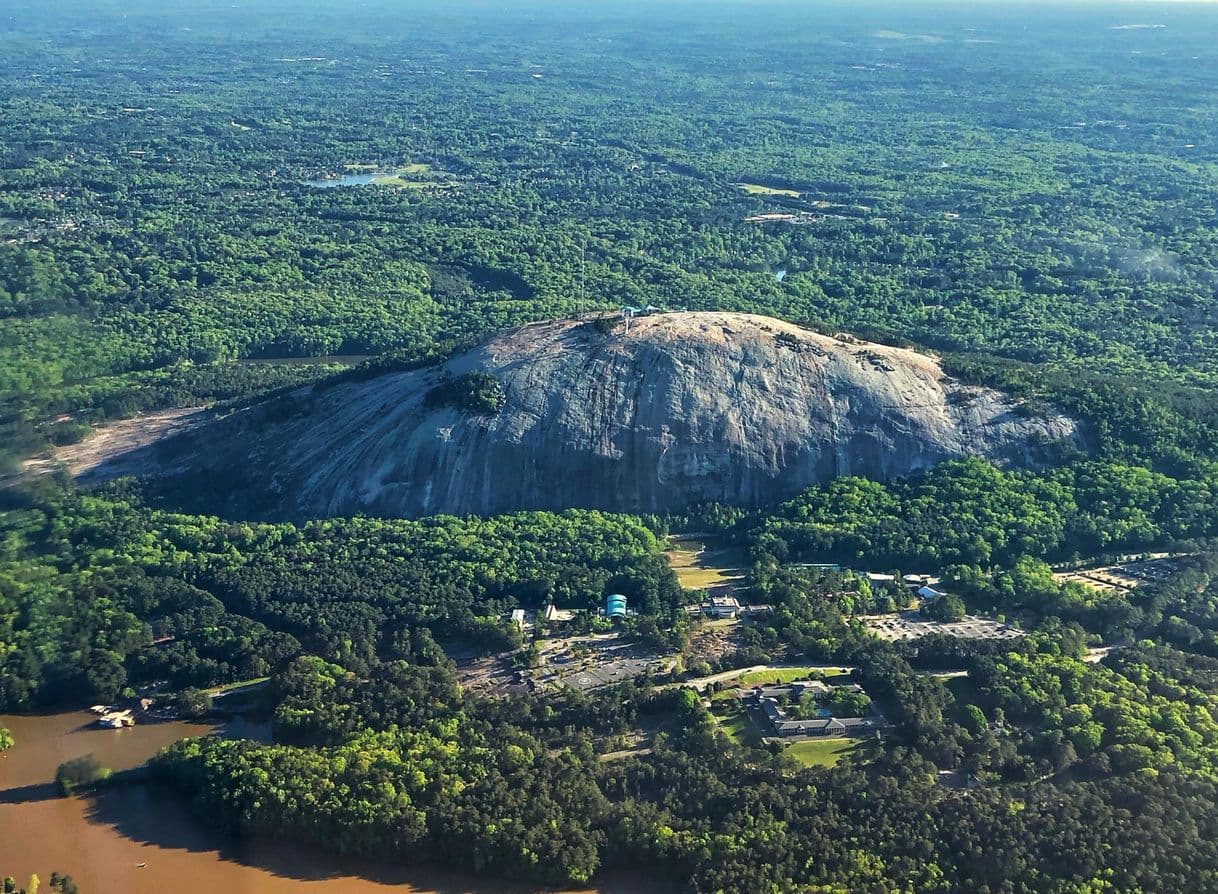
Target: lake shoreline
135, 834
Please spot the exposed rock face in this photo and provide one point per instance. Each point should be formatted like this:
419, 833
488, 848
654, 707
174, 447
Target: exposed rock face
682, 408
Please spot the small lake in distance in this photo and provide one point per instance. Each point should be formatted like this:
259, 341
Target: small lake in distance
345, 180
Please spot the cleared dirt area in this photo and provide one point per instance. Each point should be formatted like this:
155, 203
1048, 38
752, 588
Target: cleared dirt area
712, 640
576, 662
104, 453
1081, 578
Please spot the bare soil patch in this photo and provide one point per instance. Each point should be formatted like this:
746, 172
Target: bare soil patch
713, 640
105, 452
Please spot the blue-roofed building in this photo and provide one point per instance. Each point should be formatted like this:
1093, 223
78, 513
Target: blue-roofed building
615, 606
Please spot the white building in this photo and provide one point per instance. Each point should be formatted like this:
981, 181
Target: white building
116, 720
722, 607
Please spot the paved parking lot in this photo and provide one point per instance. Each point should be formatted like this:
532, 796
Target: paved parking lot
595, 675
912, 625
1125, 576
581, 662
592, 662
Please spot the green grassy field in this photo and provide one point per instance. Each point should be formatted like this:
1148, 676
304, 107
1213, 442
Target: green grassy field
233, 687
399, 180
821, 752
779, 675
756, 189
699, 567
736, 727
369, 168
706, 578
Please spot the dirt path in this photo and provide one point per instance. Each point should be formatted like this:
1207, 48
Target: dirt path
1096, 654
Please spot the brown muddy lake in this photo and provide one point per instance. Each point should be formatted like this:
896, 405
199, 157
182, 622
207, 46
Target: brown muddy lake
136, 839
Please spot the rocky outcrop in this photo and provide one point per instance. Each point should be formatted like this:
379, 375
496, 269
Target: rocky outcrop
678, 409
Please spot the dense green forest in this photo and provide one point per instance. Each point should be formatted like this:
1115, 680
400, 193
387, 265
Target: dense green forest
398, 762
964, 184
1029, 196
90, 581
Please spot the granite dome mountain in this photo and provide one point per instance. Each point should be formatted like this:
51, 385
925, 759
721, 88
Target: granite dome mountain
671, 410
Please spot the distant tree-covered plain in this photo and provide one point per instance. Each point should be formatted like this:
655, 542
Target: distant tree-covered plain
1027, 191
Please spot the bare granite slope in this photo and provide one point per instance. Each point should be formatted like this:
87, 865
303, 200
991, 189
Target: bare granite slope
682, 408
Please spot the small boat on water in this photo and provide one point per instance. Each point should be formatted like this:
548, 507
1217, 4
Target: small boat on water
116, 720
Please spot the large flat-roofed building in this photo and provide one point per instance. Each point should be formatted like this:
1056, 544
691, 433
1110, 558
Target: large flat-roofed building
788, 690
828, 726
816, 726
765, 698
722, 607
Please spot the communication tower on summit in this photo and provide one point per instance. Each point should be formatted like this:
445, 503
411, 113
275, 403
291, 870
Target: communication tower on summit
629, 312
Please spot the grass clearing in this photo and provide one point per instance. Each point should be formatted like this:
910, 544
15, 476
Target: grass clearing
821, 752
372, 168
709, 578
699, 567
756, 189
735, 727
241, 685
400, 181
781, 675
